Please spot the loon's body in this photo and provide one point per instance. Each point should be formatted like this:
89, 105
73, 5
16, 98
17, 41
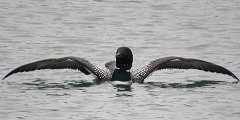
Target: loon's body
120, 70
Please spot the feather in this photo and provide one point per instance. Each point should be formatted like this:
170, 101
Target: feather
59, 63
180, 63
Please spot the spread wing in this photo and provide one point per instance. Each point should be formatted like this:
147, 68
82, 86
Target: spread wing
60, 63
179, 63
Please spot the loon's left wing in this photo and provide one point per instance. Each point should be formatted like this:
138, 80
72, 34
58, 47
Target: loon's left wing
179, 63
61, 63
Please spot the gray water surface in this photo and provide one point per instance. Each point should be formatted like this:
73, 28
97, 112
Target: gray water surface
32, 30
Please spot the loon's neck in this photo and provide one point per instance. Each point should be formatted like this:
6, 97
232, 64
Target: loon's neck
121, 75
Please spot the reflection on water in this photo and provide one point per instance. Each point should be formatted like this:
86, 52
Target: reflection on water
79, 84
120, 87
69, 84
194, 84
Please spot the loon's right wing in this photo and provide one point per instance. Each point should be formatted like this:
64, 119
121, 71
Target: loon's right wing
61, 63
179, 63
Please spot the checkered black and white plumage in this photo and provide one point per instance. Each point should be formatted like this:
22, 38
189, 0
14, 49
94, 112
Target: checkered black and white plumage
65, 63
174, 62
136, 75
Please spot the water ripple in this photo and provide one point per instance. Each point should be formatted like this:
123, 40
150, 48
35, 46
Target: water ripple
36, 29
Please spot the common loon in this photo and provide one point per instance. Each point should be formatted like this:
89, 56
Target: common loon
120, 70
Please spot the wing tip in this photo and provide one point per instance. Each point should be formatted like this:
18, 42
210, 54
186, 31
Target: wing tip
234, 76
4, 77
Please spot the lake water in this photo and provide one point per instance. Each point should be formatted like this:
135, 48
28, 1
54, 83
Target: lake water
32, 30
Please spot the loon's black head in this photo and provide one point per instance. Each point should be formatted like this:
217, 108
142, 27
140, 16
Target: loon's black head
124, 58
